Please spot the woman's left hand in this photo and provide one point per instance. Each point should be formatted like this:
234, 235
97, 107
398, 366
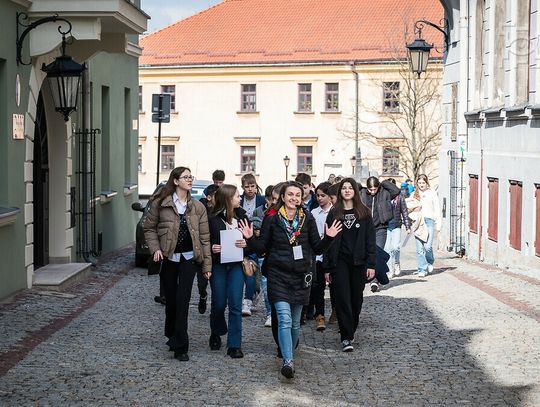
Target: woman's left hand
370, 273
240, 243
333, 230
207, 275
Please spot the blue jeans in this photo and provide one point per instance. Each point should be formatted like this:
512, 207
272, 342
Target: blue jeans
251, 281
288, 316
393, 245
227, 284
424, 250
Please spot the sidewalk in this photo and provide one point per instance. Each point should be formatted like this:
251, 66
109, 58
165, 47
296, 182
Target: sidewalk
465, 335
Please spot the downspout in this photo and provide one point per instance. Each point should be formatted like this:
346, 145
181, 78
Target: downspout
357, 152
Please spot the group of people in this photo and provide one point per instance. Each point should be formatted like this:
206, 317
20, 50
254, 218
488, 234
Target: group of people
301, 237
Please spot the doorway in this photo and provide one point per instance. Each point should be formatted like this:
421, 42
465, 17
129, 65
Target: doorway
41, 187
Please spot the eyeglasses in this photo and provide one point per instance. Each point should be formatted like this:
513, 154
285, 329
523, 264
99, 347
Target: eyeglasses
187, 177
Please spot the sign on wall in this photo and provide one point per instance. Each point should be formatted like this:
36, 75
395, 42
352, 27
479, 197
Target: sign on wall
18, 126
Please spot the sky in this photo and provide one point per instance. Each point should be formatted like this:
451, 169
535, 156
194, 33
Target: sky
165, 12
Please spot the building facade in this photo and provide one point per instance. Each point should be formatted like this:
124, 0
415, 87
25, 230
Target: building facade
66, 187
491, 141
243, 105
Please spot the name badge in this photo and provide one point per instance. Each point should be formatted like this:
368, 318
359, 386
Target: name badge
297, 252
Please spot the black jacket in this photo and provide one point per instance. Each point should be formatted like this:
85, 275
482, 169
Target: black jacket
380, 205
216, 224
365, 247
285, 275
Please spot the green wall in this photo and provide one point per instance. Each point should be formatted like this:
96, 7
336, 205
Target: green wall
12, 154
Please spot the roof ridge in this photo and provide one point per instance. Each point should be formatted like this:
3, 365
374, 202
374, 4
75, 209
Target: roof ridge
188, 17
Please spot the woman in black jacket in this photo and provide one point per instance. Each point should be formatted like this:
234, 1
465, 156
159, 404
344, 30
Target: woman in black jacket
227, 280
350, 261
289, 238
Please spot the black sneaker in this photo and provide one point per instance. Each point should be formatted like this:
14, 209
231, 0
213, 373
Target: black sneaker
287, 369
374, 287
160, 299
181, 356
215, 342
202, 305
235, 353
346, 346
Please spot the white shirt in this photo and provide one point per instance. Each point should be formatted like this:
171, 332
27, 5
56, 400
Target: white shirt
320, 215
181, 207
430, 206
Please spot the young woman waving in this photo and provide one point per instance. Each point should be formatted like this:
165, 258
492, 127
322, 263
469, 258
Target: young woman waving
289, 238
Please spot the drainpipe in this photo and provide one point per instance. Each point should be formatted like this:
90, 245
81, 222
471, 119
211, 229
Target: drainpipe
357, 152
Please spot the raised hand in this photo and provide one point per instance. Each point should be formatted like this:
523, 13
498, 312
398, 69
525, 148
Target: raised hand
333, 230
245, 228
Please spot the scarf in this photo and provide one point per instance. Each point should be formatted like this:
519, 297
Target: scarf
292, 228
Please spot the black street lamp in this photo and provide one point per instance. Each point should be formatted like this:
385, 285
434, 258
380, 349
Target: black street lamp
419, 49
353, 164
63, 74
286, 161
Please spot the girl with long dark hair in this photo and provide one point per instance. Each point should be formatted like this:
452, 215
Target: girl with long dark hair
227, 280
176, 231
350, 261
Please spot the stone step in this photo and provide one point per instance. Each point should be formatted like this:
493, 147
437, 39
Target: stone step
57, 277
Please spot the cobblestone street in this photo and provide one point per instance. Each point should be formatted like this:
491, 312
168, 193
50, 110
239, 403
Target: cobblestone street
466, 335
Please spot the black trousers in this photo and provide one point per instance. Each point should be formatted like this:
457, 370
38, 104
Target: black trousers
316, 297
349, 282
202, 283
177, 282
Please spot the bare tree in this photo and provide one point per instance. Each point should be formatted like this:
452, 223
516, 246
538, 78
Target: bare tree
408, 119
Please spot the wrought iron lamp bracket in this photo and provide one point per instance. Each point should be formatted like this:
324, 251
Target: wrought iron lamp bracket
443, 28
21, 17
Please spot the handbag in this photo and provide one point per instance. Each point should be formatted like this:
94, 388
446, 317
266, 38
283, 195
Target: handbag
249, 266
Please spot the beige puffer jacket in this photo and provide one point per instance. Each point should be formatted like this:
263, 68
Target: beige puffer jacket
163, 222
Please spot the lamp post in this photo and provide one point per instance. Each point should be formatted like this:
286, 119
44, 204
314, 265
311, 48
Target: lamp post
286, 161
419, 49
63, 74
353, 164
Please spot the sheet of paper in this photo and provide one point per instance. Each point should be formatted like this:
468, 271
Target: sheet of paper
229, 252
407, 237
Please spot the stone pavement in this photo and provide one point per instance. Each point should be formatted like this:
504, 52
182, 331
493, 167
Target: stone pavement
466, 335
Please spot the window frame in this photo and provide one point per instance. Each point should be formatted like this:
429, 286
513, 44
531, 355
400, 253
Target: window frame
395, 157
305, 97
473, 203
244, 155
164, 155
173, 95
245, 102
302, 158
331, 97
391, 96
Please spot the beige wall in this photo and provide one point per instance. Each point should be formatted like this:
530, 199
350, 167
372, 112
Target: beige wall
208, 131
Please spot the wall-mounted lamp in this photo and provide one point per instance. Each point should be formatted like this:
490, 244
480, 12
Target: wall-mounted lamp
63, 74
419, 49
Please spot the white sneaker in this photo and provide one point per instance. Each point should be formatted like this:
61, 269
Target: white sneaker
268, 322
429, 269
246, 308
397, 270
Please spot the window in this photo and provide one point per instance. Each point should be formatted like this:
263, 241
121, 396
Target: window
140, 99
331, 97
249, 98
516, 193
391, 96
167, 157
170, 90
247, 159
493, 209
537, 239
473, 203
304, 97
139, 160
454, 119
390, 161
305, 159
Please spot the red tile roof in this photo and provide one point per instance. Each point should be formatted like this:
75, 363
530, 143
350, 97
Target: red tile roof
291, 31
